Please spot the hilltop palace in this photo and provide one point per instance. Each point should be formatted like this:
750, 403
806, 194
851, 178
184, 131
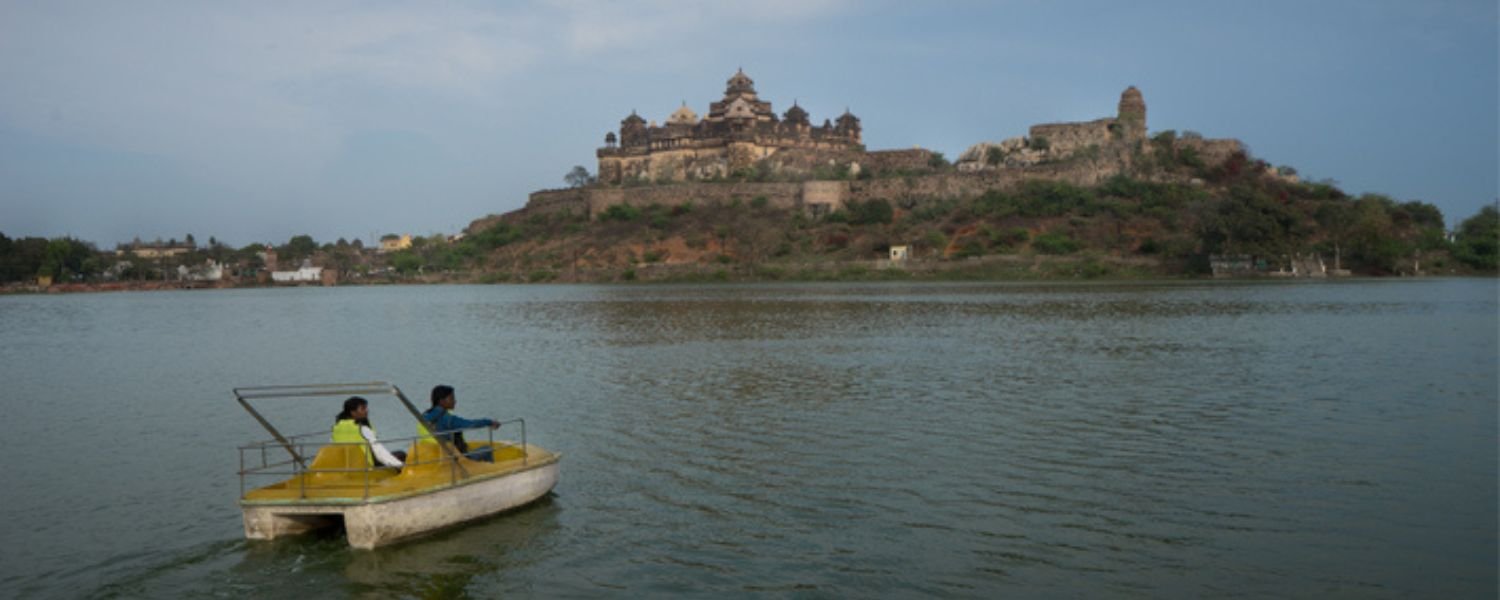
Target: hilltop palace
742, 149
739, 130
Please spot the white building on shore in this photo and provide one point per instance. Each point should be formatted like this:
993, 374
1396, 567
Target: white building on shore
306, 274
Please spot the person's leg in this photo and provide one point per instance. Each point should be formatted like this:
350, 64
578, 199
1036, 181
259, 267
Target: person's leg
484, 454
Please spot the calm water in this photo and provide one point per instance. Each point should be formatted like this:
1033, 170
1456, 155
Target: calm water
1109, 440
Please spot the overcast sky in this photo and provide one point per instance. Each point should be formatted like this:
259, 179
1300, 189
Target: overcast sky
257, 121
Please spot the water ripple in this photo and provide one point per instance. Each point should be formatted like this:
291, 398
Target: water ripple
1137, 440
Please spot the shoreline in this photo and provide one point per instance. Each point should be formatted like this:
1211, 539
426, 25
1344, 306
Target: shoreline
1000, 268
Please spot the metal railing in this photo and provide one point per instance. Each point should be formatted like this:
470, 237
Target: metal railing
303, 445
297, 446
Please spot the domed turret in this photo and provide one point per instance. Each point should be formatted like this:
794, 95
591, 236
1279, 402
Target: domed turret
632, 130
740, 83
848, 124
796, 115
683, 116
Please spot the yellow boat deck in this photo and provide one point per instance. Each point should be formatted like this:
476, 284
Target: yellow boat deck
339, 474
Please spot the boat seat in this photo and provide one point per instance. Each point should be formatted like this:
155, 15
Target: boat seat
339, 457
339, 465
424, 457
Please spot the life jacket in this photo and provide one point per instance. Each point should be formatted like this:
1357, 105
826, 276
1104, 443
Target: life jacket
422, 430
346, 431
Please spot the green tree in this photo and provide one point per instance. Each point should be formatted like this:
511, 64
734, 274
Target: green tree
66, 258
1249, 221
1478, 240
578, 177
406, 262
873, 212
1373, 239
1423, 214
993, 155
25, 258
297, 248
620, 212
343, 257
1054, 243
494, 236
1336, 217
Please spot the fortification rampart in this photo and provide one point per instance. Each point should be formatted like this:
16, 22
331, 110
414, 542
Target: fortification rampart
895, 160
1065, 138
783, 195
1212, 151
574, 200
817, 197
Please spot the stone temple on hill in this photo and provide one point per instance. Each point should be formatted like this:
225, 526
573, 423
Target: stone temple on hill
738, 131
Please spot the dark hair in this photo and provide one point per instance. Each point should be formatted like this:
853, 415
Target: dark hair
440, 392
349, 405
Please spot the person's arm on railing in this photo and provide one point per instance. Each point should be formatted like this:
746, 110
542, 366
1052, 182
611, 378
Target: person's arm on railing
382, 455
453, 421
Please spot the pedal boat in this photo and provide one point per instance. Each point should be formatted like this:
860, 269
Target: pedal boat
438, 487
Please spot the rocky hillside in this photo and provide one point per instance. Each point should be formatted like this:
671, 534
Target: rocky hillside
1165, 216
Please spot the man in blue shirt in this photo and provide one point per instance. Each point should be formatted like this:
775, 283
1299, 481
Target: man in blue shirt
440, 418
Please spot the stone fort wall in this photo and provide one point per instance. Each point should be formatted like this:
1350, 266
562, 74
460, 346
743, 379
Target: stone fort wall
1066, 138
1212, 151
894, 160
815, 196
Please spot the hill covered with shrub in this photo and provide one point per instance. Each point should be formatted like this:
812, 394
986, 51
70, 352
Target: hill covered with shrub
1165, 216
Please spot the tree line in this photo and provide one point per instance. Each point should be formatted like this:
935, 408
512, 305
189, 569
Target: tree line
68, 259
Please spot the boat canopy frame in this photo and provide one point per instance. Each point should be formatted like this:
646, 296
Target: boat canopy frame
323, 390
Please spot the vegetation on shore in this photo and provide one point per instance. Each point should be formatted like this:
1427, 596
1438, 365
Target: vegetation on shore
1164, 219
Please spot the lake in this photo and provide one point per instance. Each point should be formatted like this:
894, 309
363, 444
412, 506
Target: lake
1173, 439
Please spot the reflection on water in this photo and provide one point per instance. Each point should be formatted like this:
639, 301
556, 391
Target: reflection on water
1146, 440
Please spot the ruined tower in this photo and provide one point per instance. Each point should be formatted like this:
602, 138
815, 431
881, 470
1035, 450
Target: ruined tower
1132, 114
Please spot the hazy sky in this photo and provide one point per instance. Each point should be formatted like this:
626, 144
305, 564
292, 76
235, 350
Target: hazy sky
256, 121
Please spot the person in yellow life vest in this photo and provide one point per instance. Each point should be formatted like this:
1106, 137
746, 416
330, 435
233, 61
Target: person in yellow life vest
352, 426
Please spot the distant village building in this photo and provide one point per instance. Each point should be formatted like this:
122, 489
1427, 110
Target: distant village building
306, 274
210, 270
394, 243
898, 253
1233, 265
268, 258
156, 249
117, 271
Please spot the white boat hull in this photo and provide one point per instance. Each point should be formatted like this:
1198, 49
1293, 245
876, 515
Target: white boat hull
378, 523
